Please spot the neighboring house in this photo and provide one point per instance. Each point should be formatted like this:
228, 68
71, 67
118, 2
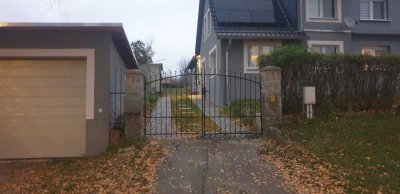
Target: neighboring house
167, 82
231, 34
56, 81
152, 73
343, 26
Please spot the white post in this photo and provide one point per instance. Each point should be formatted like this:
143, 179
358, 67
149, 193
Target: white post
309, 100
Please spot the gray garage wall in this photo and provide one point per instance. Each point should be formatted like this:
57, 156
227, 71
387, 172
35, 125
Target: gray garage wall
117, 83
97, 129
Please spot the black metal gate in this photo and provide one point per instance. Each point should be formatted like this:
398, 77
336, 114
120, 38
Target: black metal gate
199, 105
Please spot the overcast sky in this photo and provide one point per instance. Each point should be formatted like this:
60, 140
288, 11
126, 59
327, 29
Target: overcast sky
170, 24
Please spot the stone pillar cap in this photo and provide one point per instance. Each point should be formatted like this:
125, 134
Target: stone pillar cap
134, 71
271, 68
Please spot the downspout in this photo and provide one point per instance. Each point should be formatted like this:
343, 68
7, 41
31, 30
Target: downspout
227, 70
301, 15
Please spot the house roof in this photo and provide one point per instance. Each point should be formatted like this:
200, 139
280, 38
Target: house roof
118, 34
192, 63
258, 32
247, 19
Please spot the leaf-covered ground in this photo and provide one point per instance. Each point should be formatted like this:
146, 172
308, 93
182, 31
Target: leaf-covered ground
129, 167
342, 154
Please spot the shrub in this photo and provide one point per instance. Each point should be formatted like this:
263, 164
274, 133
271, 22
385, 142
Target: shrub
357, 82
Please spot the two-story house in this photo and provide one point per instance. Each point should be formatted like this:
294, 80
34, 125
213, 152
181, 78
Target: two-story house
347, 26
231, 34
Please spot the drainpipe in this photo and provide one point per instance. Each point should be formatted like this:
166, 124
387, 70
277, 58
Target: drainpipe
227, 69
301, 15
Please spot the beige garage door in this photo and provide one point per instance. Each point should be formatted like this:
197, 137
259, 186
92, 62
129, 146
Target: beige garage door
42, 108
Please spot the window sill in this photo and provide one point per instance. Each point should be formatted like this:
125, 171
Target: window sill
251, 70
375, 20
326, 20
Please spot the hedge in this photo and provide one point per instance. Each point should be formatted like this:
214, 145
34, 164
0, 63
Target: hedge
342, 81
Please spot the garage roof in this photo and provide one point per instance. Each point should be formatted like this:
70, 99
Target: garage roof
118, 35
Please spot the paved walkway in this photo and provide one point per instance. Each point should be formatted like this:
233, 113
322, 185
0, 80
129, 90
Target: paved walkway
161, 122
220, 166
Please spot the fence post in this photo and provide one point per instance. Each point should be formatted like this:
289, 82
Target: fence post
134, 100
271, 100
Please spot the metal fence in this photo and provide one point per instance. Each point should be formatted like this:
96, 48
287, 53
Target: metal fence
200, 105
117, 97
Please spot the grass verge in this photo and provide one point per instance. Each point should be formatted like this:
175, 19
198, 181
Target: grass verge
187, 116
151, 102
244, 110
356, 153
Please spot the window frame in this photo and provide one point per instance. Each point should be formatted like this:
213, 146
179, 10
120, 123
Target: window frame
371, 10
321, 18
375, 48
246, 45
207, 23
213, 70
322, 43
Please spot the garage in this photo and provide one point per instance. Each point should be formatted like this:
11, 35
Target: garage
56, 87
43, 108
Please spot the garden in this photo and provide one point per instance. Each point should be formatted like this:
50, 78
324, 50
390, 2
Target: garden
353, 144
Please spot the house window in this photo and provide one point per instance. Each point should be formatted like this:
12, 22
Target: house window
373, 10
326, 47
213, 65
376, 51
323, 9
252, 52
207, 25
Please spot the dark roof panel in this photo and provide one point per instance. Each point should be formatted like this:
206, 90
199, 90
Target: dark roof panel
260, 5
230, 4
243, 11
231, 16
262, 16
248, 19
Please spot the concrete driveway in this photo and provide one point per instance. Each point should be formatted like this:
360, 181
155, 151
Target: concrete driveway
217, 166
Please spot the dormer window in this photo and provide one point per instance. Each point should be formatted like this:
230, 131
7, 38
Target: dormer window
323, 10
207, 24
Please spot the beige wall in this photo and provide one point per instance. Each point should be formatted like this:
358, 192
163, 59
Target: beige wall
43, 105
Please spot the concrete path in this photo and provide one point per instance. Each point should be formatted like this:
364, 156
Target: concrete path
161, 121
217, 166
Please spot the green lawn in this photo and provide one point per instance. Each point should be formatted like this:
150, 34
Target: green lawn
244, 110
188, 117
365, 147
151, 102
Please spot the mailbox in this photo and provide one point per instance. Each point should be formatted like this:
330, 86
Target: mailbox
309, 100
309, 95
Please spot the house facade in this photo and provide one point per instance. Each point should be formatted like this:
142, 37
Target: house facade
230, 37
56, 81
232, 34
341, 26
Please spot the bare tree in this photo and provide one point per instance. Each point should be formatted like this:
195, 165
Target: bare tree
183, 63
184, 79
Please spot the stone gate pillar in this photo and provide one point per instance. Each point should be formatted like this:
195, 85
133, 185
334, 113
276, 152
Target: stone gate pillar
271, 100
134, 99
